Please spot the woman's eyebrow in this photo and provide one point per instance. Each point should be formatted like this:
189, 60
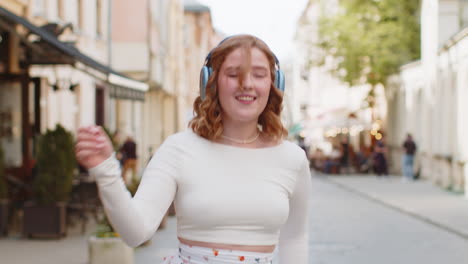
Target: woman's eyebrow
232, 68
260, 68
256, 68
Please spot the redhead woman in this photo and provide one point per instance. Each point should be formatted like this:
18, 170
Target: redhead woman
240, 190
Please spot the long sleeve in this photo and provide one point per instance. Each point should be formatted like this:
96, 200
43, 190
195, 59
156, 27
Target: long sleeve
137, 219
294, 235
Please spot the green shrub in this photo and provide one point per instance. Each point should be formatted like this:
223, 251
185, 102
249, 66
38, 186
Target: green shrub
55, 166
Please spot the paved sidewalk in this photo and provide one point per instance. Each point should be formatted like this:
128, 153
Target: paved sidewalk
420, 199
73, 249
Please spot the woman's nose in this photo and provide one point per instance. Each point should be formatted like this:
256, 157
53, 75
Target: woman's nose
247, 81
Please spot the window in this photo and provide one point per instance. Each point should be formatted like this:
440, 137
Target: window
38, 8
99, 18
463, 13
60, 10
80, 14
4, 51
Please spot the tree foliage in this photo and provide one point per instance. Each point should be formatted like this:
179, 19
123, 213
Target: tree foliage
371, 39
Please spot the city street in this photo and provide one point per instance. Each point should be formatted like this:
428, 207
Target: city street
352, 225
363, 88
347, 227
355, 219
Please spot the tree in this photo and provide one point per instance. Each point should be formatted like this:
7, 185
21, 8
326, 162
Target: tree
371, 39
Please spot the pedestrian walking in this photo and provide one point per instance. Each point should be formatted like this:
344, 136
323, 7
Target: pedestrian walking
129, 158
409, 147
240, 190
345, 154
380, 159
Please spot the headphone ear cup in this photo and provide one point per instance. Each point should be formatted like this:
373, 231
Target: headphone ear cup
205, 74
279, 80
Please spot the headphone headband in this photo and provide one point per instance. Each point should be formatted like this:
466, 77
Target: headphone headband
206, 72
208, 57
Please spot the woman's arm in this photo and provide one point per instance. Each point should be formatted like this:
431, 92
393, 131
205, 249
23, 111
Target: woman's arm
135, 219
294, 236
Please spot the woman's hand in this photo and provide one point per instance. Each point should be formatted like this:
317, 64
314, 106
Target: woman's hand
93, 146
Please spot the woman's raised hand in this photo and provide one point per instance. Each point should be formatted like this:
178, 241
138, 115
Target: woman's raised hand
93, 146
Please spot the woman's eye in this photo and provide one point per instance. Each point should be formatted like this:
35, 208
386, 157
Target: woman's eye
232, 75
260, 75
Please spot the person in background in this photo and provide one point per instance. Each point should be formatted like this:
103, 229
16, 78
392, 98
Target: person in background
408, 158
380, 159
317, 160
240, 189
129, 157
332, 161
345, 154
363, 162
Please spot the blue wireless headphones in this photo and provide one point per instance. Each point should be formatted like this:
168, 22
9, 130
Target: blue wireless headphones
206, 72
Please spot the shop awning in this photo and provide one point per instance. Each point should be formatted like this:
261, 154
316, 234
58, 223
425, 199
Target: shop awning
121, 85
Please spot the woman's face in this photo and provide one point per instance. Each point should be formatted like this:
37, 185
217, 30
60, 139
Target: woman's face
244, 103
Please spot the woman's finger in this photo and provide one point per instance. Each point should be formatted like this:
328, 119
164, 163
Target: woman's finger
85, 154
87, 145
96, 130
85, 129
90, 137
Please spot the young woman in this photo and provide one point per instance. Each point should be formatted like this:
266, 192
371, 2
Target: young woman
239, 189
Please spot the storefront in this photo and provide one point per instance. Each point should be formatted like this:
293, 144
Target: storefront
25, 48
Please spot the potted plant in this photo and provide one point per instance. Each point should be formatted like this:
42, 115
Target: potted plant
4, 208
106, 246
45, 216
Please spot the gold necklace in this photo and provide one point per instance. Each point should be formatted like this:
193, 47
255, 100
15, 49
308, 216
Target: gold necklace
244, 141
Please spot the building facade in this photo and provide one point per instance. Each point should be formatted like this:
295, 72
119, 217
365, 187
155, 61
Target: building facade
166, 73
164, 46
324, 109
200, 38
427, 98
46, 78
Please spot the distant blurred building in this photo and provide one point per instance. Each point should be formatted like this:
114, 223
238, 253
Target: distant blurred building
428, 97
131, 66
147, 43
200, 37
54, 69
324, 107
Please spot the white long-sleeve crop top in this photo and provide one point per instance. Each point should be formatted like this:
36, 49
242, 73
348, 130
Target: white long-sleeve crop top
222, 194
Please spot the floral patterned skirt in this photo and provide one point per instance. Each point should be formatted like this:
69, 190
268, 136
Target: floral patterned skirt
202, 255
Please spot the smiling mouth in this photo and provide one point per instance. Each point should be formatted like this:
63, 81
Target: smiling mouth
246, 98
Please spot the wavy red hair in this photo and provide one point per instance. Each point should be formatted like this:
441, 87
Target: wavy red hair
208, 122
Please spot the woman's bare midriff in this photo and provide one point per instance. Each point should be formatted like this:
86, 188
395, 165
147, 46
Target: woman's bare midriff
260, 249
